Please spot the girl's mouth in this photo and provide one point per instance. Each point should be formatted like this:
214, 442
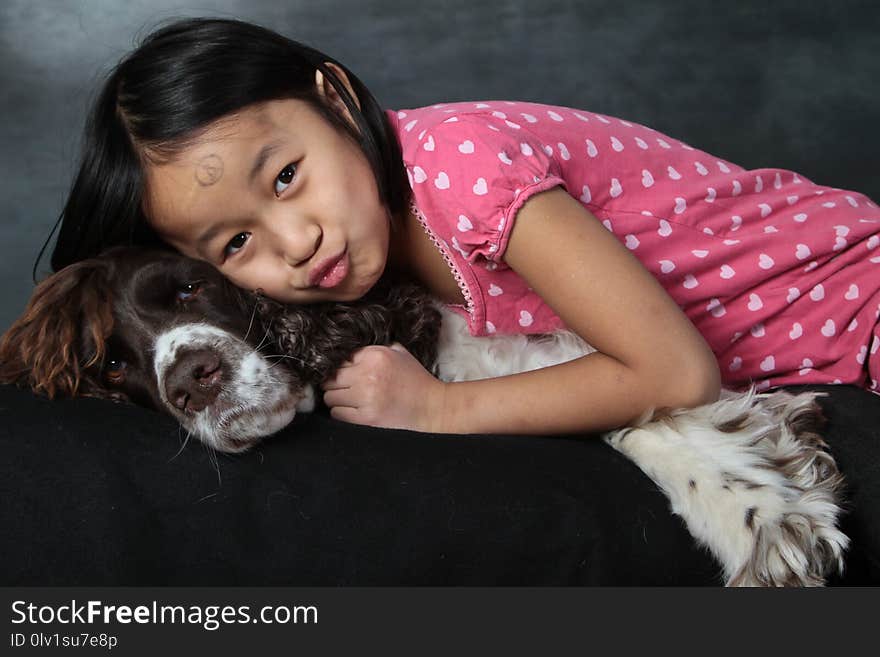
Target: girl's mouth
330, 272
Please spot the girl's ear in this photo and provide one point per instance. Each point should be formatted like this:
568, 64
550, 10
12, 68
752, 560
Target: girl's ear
330, 95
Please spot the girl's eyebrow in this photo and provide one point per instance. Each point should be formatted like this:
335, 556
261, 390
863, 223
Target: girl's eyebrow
207, 237
262, 157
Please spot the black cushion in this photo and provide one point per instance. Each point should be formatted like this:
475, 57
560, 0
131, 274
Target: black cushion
97, 493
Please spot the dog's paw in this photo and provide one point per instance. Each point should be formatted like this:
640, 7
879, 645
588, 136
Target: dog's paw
798, 544
752, 479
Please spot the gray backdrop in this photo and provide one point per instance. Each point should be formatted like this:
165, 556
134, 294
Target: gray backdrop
761, 83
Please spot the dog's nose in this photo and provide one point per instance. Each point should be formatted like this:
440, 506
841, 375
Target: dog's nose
193, 381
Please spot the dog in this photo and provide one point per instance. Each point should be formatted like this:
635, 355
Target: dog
750, 474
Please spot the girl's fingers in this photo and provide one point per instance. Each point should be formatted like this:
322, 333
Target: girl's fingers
339, 398
344, 413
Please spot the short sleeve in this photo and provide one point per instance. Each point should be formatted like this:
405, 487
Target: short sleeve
470, 175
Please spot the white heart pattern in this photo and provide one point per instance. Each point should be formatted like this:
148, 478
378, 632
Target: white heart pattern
793, 293
768, 364
504, 157
647, 178
586, 196
852, 293
675, 175
690, 282
592, 151
526, 149
616, 189
464, 224
802, 252
800, 217
665, 229
829, 329
495, 291
735, 364
680, 205
442, 180
632, 242
716, 308
525, 318
727, 271
796, 331
466, 147
667, 266
765, 261
480, 187
429, 144
755, 302
817, 293
419, 174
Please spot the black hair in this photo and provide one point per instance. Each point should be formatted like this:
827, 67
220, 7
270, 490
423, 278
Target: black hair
166, 92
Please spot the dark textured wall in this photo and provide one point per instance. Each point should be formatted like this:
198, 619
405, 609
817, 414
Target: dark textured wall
785, 83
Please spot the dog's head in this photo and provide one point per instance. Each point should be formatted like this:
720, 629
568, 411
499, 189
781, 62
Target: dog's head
160, 330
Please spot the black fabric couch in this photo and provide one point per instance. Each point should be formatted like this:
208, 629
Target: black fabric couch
94, 493
97, 493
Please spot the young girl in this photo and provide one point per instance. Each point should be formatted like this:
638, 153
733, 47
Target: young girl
274, 163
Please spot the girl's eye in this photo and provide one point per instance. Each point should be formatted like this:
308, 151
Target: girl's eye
235, 244
188, 292
285, 178
115, 371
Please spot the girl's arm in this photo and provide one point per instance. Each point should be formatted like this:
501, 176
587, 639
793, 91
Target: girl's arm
649, 354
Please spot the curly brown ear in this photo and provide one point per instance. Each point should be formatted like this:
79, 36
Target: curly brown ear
68, 312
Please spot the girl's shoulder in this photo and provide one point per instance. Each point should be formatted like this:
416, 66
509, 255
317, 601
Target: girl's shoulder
506, 119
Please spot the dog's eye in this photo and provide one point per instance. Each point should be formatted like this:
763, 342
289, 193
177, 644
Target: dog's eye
188, 291
114, 371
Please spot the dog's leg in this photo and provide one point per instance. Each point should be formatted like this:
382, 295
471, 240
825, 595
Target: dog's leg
749, 476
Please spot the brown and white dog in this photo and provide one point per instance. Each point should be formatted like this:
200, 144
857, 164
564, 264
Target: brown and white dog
749, 474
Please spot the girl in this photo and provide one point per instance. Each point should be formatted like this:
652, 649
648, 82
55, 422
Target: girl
274, 163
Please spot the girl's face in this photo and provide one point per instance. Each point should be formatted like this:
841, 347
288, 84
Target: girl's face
278, 199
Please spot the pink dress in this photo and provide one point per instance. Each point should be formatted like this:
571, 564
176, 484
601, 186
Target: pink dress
780, 275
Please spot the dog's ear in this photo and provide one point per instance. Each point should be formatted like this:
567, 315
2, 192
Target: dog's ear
61, 332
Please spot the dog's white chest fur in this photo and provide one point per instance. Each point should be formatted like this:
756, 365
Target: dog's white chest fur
463, 357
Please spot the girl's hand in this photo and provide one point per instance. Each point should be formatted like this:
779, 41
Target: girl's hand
386, 387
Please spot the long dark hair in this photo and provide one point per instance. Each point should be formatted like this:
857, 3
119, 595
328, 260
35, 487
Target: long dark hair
165, 93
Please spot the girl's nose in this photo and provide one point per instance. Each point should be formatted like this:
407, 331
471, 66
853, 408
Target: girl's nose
299, 243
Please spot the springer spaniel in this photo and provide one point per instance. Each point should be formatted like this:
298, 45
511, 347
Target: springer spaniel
749, 474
